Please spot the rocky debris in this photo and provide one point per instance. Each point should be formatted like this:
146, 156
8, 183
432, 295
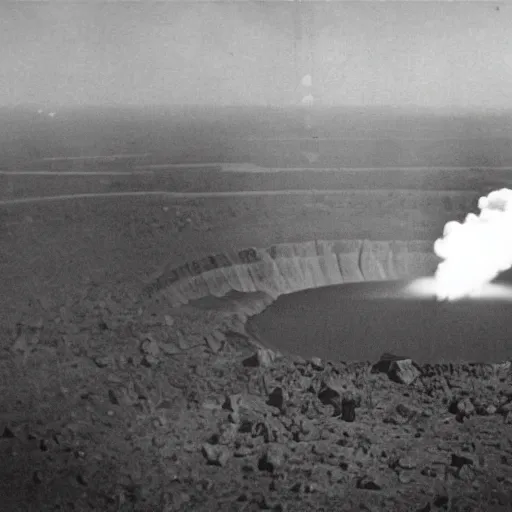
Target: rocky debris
232, 403
348, 409
384, 362
279, 433
262, 357
277, 398
7, 433
27, 336
403, 371
37, 477
398, 368
316, 363
407, 462
170, 348
460, 460
213, 343
369, 483
273, 458
103, 361
150, 347
342, 395
216, 454
462, 408
487, 411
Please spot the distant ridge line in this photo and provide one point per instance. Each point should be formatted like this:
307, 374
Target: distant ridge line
249, 168
237, 193
94, 157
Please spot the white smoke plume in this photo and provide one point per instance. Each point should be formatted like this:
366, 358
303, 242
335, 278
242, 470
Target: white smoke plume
476, 251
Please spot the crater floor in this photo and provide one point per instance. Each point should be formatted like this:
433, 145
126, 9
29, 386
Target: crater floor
360, 321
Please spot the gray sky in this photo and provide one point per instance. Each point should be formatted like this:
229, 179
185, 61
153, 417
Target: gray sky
363, 53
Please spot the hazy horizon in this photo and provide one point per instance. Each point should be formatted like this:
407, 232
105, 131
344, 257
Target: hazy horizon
411, 109
270, 137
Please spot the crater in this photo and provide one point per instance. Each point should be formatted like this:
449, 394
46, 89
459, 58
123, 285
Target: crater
349, 300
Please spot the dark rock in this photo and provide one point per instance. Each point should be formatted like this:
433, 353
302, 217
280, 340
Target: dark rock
459, 460
490, 410
158, 441
149, 361
405, 411
329, 396
298, 487
404, 477
341, 395
102, 361
103, 326
228, 433
403, 371
311, 487
234, 417
7, 433
441, 500
407, 462
505, 408
232, 402
348, 410
263, 357
273, 458
465, 473
150, 347
276, 398
298, 361
243, 498
317, 363
465, 407
245, 427
217, 455
307, 431
429, 471
112, 397
336, 475
165, 404
213, 344
384, 363
261, 429
170, 348
243, 451
81, 479
368, 483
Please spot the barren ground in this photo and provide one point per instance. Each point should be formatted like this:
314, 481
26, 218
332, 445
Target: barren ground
100, 413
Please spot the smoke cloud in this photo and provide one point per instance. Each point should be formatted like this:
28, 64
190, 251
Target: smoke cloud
475, 251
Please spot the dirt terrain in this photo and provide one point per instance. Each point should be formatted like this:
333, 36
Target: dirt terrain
112, 400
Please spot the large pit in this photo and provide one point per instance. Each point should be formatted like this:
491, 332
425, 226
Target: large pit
349, 300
